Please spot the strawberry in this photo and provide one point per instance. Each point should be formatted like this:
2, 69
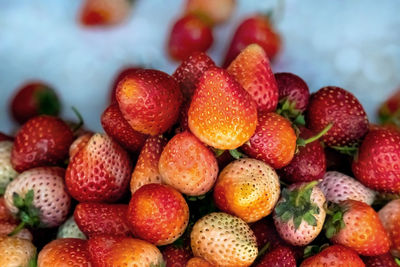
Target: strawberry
7, 228
308, 163
4, 137
198, 262
338, 187
188, 165
149, 100
247, 188
119, 129
184, 118
158, 214
65, 252
356, 225
300, 214
334, 105
377, 162
5, 213
190, 71
119, 77
79, 143
38, 197
99, 172
7, 173
265, 233
98, 218
390, 218
34, 99
223, 240
389, 111
281, 256
104, 12
69, 229
334, 256
42, 141
273, 142
255, 29
15, 251
189, 34
215, 12
251, 68
176, 256
222, 114
384, 260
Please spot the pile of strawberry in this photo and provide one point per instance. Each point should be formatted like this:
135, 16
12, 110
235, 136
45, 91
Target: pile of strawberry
207, 167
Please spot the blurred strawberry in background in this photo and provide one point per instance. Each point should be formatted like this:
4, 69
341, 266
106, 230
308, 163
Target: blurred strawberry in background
104, 12
215, 11
389, 112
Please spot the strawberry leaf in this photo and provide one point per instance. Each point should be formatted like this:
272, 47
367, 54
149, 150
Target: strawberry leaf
397, 261
27, 212
334, 221
17, 200
48, 102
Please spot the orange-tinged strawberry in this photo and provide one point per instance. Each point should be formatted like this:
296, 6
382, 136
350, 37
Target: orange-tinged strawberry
390, 218
65, 252
252, 70
188, 165
222, 114
17, 252
79, 143
334, 256
146, 169
247, 188
215, 12
104, 12
158, 214
273, 142
198, 262
149, 100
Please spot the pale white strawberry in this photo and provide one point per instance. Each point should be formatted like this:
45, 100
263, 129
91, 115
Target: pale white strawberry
69, 229
390, 218
16, 252
338, 187
7, 173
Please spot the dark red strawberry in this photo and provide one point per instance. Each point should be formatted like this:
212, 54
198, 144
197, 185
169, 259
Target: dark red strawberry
176, 256
119, 129
281, 256
97, 218
33, 99
121, 75
190, 71
334, 105
384, 260
4, 137
256, 29
265, 232
377, 162
42, 141
189, 34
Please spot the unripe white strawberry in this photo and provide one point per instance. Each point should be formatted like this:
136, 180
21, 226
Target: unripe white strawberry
15, 251
69, 229
7, 173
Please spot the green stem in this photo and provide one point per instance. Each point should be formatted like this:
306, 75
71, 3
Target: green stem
80, 118
236, 154
263, 249
304, 189
17, 229
319, 135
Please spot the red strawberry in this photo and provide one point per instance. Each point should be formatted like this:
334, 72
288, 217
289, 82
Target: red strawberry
222, 114
390, 218
188, 165
99, 172
158, 213
189, 34
384, 260
175, 256
42, 141
389, 112
251, 68
65, 252
190, 71
104, 12
146, 169
215, 12
15, 251
334, 256
184, 117
149, 100
97, 218
334, 105
79, 143
265, 232
5, 213
356, 225
377, 162
308, 164
4, 137
109, 251
198, 262
119, 129
256, 29
121, 75
273, 142
33, 99
281, 256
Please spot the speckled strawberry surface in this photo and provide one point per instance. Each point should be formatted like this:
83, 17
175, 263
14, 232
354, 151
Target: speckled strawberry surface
15, 251
390, 218
335, 256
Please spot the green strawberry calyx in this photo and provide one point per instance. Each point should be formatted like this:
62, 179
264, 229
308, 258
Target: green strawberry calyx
334, 221
236, 154
304, 142
27, 212
160, 264
297, 205
313, 250
77, 126
347, 150
48, 102
287, 109
397, 261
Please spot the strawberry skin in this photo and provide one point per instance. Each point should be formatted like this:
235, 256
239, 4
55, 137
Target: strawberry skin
149, 100
188, 165
384, 260
198, 262
7, 228
104, 12
334, 256
252, 70
65, 252
97, 218
281, 256
273, 142
390, 218
389, 112
69, 229
247, 188
79, 143
15, 251
42, 141
119, 129
175, 256
377, 163
293, 89
158, 214
121, 75
337, 106
222, 114
215, 12
265, 232
99, 172
7, 172
5, 213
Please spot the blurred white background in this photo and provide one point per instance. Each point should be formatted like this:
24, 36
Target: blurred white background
354, 44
